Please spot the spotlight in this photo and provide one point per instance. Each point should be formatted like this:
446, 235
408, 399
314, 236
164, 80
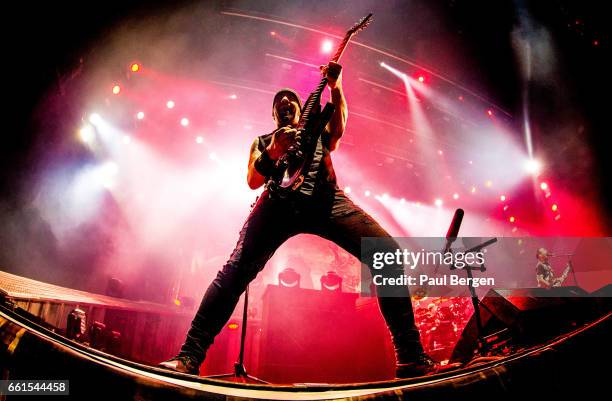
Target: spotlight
116, 89
95, 118
347, 190
421, 78
490, 112
288, 278
543, 186
272, 33
96, 335
331, 281
533, 166
199, 139
140, 115
367, 193
438, 202
440, 152
107, 173
327, 46
184, 121
170, 104
554, 207
512, 219
473, 190
502, 198
135, 67
233, 326
489, 183
76, 325
111, 167
233, 96
455, 196
113, 342
87, 134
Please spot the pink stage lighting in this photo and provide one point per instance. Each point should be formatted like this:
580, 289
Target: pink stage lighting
327, 46
533, 166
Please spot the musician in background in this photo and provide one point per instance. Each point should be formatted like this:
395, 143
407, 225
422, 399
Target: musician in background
319, 207
545, 275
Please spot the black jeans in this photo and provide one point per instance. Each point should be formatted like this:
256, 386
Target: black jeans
272, 221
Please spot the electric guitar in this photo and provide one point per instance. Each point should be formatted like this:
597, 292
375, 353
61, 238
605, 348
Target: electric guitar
556, 282
295, 163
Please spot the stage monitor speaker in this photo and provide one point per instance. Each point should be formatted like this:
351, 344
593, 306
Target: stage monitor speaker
603, 298
525, 317
605, 291
307, 335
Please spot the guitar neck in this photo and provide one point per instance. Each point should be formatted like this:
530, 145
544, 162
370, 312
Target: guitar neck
315, 97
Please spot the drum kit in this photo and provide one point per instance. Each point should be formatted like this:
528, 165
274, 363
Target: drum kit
440, 321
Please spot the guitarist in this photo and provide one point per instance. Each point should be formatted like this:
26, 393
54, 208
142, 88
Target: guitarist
545, 275
319, 207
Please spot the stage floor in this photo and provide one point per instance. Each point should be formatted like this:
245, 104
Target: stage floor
32, 351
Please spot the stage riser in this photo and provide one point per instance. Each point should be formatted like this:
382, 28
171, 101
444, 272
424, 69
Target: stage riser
145, 337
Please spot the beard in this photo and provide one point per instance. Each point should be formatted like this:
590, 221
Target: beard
286, 114
287, 117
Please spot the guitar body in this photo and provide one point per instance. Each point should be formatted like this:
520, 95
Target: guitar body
293, 175
559, 280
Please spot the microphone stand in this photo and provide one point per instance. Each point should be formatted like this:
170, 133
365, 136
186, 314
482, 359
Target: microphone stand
239, 369
571, 265
569, 260
482, 346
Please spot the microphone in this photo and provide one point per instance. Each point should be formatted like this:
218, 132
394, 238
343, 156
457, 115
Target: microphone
557, 255
453, 229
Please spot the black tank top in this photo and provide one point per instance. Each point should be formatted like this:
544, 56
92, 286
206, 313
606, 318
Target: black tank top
321, 176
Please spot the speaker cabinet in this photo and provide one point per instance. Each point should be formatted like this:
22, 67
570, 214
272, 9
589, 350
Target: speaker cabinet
527, 316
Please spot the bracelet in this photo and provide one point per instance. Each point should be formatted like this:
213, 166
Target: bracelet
264, 164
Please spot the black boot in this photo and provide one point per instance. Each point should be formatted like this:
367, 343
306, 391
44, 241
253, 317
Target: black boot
421, 365
181, 364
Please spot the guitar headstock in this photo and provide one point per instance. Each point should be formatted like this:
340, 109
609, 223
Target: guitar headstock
361, 24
